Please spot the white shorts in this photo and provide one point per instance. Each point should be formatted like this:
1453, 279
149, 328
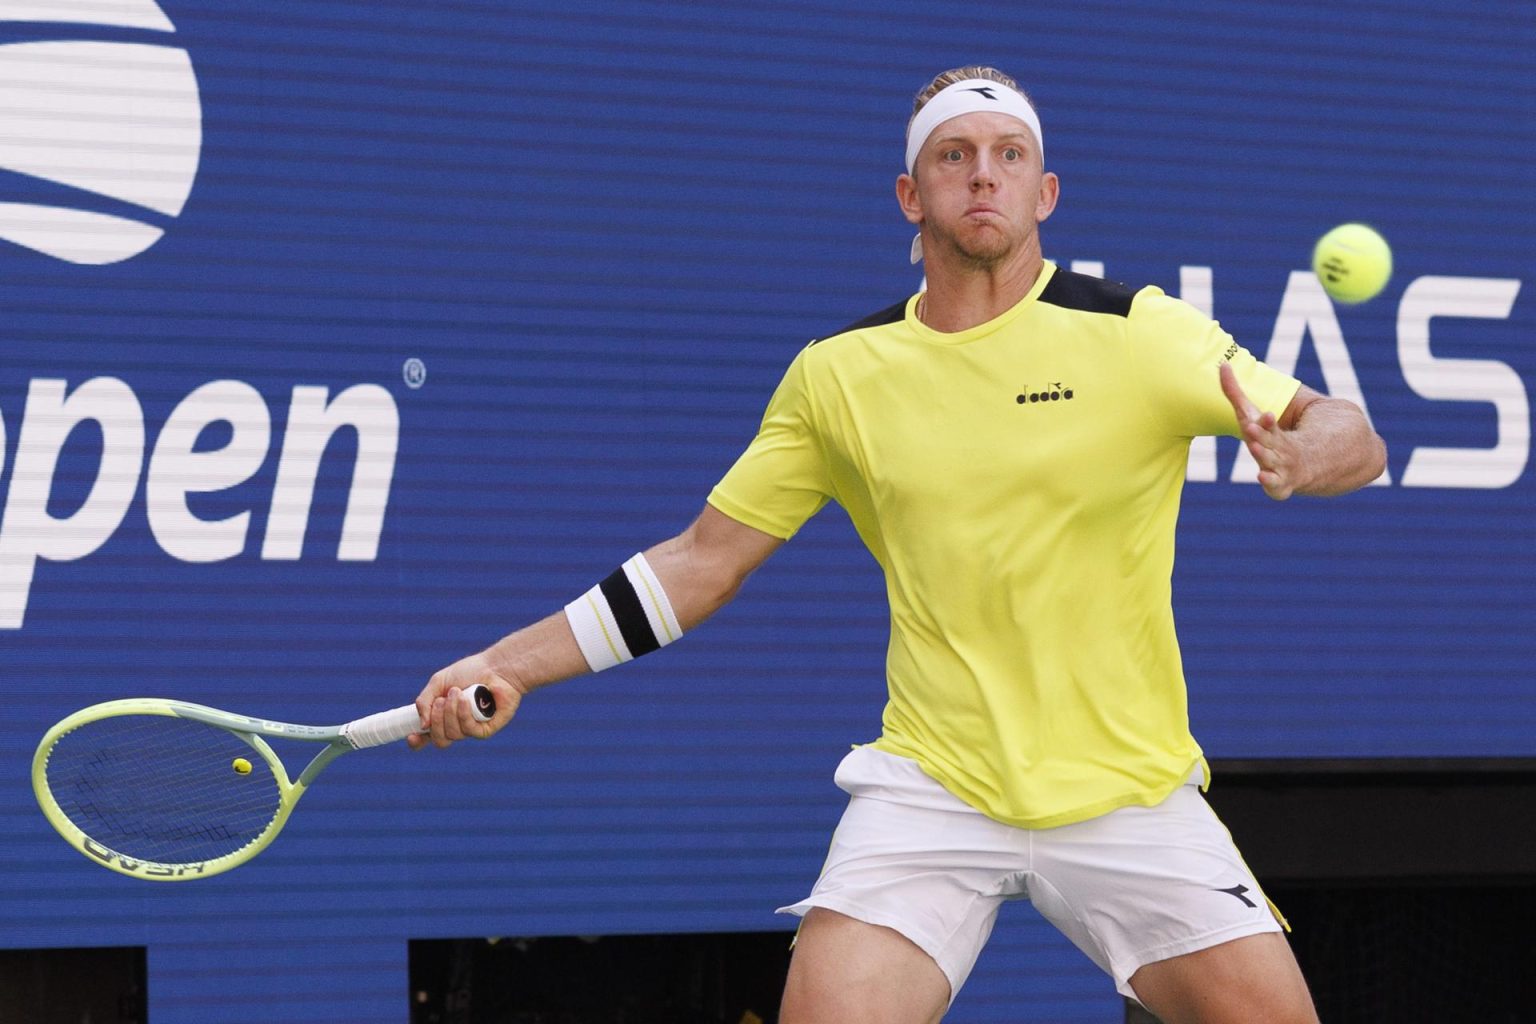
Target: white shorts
1129, 888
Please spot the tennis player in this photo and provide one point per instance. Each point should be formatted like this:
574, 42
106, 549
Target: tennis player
1010, 443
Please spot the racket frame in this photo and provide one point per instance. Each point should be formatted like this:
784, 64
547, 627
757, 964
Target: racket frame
251, 730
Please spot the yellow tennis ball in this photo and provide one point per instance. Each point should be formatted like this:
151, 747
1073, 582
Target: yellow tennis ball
241, 765
1353, 262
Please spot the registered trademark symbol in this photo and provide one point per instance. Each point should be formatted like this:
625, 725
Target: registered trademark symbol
414, 372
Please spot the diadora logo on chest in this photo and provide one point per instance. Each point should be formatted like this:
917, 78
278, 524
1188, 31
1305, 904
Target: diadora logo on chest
1055, 391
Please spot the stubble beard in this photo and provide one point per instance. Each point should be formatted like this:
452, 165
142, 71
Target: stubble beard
984, 252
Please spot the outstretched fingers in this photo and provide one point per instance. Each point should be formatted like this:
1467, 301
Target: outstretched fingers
1246, 411
1261, 434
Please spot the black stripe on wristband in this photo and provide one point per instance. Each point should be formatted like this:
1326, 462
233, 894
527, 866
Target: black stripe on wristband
629, 613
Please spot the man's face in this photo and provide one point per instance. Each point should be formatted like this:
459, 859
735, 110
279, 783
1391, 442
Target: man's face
978, 188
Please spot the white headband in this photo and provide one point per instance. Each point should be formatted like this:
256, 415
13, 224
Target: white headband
969, 97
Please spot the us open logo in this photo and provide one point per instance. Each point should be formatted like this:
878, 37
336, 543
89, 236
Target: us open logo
101, 133
107, 134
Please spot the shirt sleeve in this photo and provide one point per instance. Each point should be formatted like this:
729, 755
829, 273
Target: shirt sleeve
1179, 350
781, 480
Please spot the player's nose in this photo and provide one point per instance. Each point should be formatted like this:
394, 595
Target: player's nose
981, 174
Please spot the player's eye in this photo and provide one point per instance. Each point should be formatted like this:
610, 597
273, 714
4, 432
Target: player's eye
952, 156
1013, 153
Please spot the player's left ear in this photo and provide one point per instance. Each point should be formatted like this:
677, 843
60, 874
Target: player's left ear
1050, 191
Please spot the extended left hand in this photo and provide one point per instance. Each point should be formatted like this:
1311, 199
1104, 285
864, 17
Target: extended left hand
1279, 457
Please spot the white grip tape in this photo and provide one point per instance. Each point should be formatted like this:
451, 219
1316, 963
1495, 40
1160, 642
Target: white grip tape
398, 723
384, 727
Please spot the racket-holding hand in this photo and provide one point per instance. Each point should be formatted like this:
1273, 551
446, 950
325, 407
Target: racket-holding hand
447, 711
1282, 461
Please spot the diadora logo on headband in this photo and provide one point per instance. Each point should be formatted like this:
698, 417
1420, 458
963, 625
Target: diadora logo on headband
985, 90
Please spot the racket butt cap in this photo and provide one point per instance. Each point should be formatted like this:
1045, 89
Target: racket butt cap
482, 702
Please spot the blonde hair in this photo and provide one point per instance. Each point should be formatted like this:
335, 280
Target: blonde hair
948, 78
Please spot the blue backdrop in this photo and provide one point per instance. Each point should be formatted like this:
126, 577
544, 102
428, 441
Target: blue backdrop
514, 283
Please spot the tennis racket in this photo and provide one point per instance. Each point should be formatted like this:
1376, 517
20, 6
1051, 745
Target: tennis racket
171, 791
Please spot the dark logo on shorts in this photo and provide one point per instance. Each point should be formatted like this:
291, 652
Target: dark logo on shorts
1239, 890
1054, 392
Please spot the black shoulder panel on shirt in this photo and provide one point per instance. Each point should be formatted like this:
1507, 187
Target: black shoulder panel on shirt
889, 315
1089, 294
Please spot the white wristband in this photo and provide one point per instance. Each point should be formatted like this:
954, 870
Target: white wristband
626, 615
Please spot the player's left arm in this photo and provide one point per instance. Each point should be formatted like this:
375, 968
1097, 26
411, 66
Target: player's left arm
1317, 445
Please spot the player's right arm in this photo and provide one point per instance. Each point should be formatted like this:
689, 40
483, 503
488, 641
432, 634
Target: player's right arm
779, 482
700, 569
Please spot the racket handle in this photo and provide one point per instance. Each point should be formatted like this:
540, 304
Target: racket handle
398, 723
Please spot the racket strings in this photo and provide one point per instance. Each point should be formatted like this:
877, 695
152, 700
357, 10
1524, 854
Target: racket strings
163, 789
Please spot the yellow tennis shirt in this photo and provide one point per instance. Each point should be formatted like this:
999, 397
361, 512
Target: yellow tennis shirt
1019, 484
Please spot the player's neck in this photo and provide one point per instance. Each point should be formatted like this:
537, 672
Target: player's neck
960, 297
